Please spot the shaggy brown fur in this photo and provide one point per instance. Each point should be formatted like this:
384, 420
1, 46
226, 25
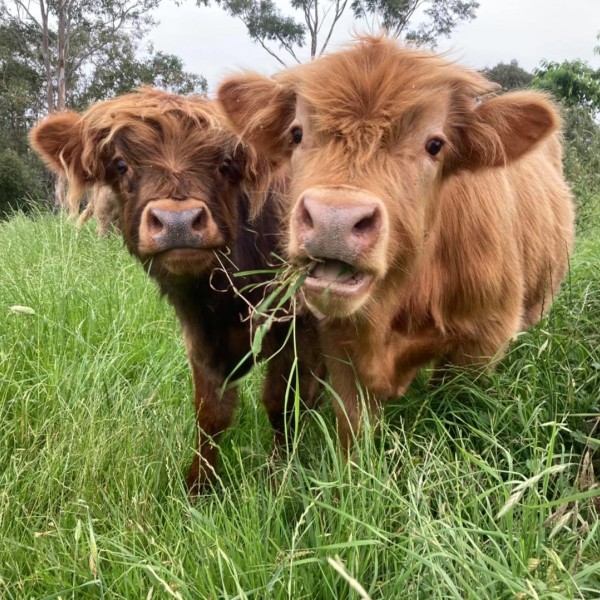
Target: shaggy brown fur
166, 156
449, 252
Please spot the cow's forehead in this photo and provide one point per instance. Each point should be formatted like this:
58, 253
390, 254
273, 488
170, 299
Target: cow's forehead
148, 121
170, 143
377, 82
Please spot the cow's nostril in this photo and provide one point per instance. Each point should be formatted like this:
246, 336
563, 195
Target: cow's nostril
154, 223
199, 222
306, 218
364, 225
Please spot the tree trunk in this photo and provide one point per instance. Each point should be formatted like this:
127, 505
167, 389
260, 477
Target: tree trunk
46, 57
61, 103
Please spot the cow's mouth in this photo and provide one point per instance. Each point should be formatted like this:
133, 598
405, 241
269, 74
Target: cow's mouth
185, 260
336, 277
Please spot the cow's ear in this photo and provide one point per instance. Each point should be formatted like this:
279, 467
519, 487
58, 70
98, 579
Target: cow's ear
506, 128
260, 111
59, 141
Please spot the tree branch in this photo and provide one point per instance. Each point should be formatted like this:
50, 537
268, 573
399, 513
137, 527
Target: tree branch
399, 27
339, 11
260, 41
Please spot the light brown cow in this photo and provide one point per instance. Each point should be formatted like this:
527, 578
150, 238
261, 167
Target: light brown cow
434, 225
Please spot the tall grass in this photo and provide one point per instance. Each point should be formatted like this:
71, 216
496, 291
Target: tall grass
480, 488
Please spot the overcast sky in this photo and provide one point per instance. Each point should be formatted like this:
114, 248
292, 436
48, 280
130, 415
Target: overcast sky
214, 44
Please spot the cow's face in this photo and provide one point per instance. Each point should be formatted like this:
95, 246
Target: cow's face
361, 195
174, 169
369, 136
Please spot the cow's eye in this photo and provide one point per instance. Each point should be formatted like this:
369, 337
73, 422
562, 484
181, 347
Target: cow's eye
121, 167
224, 167
297, 135
231, 169
434, 145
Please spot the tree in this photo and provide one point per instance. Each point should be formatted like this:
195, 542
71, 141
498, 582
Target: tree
120, 70
17, 182
509, 75
576, 86
420, 21
67, 35
574, 83
20, 85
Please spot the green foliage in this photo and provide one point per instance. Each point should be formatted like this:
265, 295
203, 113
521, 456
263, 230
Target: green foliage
20, 85
477, 489
509, 75
573, 82
582, 163
17, 184
267, 24
122, 69
576, 86
66, 44
103, 57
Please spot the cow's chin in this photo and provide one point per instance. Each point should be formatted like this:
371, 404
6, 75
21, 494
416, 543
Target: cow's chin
336, 289
183, 262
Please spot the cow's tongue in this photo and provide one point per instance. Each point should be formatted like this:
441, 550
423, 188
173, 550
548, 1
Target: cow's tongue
333, 270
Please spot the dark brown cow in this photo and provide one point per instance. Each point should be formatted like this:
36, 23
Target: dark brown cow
178, 175
435, 225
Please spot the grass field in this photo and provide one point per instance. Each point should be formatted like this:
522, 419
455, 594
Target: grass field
476, 489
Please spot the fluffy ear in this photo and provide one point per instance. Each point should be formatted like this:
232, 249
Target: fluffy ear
58, 140
260, 110
505, 128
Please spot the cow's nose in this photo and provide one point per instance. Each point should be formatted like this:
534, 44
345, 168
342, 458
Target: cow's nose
172, 228
169, 224
335, 230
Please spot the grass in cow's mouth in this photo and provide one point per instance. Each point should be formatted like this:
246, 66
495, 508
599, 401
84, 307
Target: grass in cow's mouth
480, 489
278, 303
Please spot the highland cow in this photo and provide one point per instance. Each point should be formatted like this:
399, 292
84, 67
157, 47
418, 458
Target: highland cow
183, 185
433, 218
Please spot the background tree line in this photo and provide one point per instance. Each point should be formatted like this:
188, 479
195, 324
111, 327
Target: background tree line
60, 54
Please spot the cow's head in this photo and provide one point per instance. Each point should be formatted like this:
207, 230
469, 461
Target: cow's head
173, 165
369, 135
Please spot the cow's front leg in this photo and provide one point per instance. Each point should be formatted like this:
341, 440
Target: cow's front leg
214, 412
349, 400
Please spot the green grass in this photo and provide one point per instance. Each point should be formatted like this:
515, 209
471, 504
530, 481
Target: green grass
477, 489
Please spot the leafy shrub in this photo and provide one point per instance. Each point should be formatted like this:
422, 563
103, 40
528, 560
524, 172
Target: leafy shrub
18, 183
582, 163
576, 85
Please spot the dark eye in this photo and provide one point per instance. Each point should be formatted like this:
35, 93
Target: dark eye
224, 167
296, 135
434, 145
231, 169
121, 167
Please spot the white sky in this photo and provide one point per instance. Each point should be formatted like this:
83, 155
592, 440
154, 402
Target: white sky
213, 44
